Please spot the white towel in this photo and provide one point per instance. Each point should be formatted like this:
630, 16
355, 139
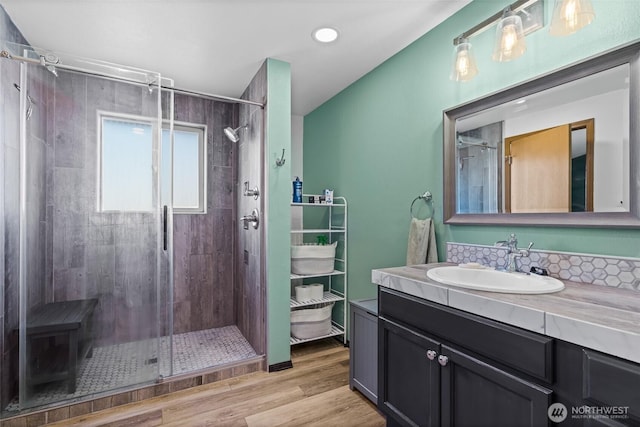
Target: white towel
421, 247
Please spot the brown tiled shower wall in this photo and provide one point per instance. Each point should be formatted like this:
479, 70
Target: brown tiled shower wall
91, 254
204, 243
250, 298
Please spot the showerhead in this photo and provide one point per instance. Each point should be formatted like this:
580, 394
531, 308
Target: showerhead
232, 134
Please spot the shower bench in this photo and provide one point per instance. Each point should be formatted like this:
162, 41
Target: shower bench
72, 319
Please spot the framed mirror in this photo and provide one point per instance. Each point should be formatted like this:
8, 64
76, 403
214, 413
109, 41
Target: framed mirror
559, 150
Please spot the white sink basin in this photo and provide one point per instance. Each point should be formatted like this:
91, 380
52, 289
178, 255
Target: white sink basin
486, 279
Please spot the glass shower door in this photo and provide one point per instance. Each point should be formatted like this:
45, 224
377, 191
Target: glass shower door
92, 233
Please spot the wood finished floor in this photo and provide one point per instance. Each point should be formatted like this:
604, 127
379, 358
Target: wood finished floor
315, 392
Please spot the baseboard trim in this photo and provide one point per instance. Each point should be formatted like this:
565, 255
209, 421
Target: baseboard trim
280, 366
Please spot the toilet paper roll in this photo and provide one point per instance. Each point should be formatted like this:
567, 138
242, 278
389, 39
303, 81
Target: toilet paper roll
303, 293
317, 291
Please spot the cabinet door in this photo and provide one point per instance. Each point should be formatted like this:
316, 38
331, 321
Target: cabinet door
611, 382
409, 382
477, 394
364, 352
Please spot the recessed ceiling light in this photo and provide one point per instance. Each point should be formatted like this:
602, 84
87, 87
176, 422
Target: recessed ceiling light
521, 101
325, 35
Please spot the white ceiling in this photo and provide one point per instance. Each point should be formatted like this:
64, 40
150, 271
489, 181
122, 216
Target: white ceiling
216, 46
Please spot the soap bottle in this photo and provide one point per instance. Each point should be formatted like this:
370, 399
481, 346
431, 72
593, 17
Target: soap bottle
297, 190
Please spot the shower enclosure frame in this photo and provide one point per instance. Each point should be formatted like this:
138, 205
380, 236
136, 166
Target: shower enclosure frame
161, 218
160, 84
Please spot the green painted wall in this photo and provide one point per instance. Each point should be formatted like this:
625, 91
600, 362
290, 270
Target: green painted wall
379, 141
278, 216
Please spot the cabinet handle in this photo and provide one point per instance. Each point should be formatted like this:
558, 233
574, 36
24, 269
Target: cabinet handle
443, 360
431, 354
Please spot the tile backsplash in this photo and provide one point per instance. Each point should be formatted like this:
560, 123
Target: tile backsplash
585, 268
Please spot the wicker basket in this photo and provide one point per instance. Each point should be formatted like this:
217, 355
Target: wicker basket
313, 259
311, 323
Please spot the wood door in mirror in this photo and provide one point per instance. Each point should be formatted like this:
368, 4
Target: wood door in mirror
550, 170
537, 171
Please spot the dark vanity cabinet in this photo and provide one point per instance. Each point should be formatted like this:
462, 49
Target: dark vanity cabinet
426, 378
440, 366
476, 393
408, 382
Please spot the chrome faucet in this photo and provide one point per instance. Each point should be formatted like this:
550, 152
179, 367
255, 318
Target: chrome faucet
513, 253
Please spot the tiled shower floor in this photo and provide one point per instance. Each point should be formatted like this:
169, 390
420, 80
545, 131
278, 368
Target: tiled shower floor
121, 365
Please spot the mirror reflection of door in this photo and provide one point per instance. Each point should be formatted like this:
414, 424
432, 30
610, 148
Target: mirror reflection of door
582, 139
550, 170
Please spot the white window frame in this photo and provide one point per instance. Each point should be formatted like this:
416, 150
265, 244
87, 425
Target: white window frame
102, 115
200, 129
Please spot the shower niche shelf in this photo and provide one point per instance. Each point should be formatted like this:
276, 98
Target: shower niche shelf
330, 221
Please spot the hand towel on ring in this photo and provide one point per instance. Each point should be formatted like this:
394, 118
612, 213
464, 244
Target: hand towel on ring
421, 247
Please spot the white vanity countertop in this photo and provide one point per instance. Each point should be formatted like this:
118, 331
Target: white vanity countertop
598, 317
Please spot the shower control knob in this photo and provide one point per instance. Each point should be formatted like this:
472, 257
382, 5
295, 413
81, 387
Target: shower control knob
443, 360
255, 192
431, 354
254, 219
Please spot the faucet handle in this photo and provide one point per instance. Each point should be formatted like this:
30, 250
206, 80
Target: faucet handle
525, 252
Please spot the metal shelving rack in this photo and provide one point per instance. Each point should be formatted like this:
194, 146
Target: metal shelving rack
336, 233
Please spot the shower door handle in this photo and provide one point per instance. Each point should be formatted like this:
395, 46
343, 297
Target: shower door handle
164, 227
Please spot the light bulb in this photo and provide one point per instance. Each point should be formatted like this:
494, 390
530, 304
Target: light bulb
570, 15
464, 66
510, 42
509, 39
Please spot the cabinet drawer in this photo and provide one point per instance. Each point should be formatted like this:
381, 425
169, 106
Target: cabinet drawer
611, 382
522, 350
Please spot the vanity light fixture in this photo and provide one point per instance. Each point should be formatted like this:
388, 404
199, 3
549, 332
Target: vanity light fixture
514, 22
570, 15
325, 35
464, 66
510, 43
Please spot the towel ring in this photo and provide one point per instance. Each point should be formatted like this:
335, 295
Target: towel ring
427, 197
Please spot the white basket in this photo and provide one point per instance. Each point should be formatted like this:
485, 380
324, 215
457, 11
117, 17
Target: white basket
311, 323
313, 259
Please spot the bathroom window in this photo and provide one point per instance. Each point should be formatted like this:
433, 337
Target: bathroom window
126, 165
126, 181
189, 168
